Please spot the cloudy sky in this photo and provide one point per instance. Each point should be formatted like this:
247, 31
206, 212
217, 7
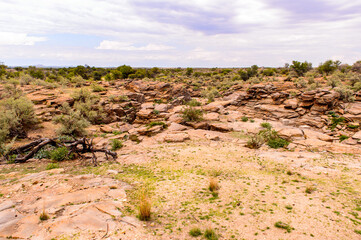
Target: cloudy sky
165, 33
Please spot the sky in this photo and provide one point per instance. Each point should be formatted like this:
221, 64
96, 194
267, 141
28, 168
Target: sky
165, 33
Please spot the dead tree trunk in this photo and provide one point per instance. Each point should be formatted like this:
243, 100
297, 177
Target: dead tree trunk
80, 146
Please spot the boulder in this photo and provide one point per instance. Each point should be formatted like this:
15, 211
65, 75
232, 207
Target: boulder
357, 135
221, 127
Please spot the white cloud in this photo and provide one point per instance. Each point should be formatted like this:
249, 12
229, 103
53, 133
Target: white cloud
126, 46
11, 38
169, 33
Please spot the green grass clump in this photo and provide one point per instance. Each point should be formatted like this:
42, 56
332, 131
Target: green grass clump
97, 88
52, 166
244, 119
152, 124
283, 225
116, 144
44, 216
310, 189
210, 234
195, 232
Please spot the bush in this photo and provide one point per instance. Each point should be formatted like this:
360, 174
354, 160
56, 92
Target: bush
191, 114
98, 88
328, 66
72, 122
87, 104
346, 94
266, 125
194, 103
244, 119
300, 68
16, 118
210, 94
116, 144
195, 232
255, 142
59, 154
277, 142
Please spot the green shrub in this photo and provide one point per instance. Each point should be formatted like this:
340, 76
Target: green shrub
255, 142
335, 120
98, 88
194, 103
277, 142
346, 94
52, 166
195, 232
191, 114
300, 68
116, 144
87, 104
210, 94
72, 122
210, 234
16, 118
244, 119
266, 125
59, 154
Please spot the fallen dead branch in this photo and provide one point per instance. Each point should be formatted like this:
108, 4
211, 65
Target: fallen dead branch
78, 147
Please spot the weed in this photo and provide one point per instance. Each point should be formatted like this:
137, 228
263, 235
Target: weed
255, 141
194, 103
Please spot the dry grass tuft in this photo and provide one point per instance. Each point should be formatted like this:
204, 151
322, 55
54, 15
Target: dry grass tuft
144, 207
213, 184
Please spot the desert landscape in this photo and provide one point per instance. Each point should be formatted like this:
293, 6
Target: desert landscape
181, 153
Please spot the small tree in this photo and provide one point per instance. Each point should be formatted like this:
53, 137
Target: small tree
328, 67
301, 68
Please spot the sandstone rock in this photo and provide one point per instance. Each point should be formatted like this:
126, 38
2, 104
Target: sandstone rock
176, 127
198, 125
211, 116
354, 108
145, 113
106, 129
291, 133
221, 127
161, 107
357, 135
276, 111
291, 103
176, 137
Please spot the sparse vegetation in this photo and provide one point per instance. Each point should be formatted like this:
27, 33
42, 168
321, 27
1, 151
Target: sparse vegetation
144, 207
210, 234
283, 225
195, 232
116, 144
191, 114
